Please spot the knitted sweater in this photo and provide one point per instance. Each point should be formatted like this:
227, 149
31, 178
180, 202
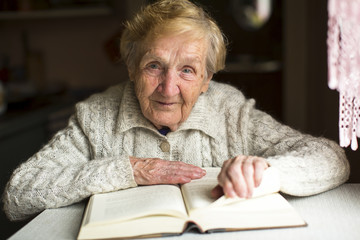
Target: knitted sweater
91, 155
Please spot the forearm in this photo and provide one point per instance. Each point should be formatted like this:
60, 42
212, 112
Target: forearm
307, 165
33, 189
314, 167
63, 172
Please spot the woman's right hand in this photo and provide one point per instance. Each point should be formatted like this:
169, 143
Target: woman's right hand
150, 171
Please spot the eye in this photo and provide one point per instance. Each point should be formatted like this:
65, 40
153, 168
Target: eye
153, 66
188, 73
188, 70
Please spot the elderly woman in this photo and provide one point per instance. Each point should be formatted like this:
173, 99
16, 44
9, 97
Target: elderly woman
167, 122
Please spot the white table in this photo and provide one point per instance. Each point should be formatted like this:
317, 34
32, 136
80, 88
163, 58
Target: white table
331, 215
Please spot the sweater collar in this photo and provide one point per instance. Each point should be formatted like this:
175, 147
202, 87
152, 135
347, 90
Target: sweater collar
202, 116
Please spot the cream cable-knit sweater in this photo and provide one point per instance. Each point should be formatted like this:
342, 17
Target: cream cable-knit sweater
91, 155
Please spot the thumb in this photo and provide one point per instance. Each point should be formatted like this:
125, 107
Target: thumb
217, 192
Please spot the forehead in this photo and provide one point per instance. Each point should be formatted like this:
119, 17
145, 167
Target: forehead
176, 47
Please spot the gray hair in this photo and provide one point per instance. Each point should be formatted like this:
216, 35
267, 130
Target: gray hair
172, 16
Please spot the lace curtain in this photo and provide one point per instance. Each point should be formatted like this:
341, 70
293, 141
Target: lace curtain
344, 66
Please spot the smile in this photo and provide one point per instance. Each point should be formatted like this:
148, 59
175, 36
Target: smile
165, 103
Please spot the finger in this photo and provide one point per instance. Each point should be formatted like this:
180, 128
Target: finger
224, 181
148, 171
228, 189
217, 192
177, 172
228, 174
260, 166
231, 178
187, 170
223, 175
248, 173
236, 177
173, 179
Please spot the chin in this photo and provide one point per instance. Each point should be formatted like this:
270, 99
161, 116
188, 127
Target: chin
166, 119
173, 125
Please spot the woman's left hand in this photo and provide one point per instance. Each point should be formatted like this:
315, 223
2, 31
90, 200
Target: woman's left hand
239, 176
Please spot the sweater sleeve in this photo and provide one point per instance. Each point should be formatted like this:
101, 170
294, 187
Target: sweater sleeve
62, 173
308, 165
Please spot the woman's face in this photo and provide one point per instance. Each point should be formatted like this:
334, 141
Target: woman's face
170, 78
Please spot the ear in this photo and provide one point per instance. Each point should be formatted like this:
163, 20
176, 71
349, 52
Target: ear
206, 83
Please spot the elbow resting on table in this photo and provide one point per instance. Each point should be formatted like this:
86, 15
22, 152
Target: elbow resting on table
314, 181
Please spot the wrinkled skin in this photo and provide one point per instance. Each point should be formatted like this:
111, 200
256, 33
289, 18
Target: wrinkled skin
149, 171
170, 78
239, 176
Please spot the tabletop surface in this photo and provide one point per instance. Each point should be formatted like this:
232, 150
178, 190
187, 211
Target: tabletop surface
331, 215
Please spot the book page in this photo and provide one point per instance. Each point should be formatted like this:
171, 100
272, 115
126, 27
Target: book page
269, 211
270, 183
266, 209
137, 202
197, 193
154, 226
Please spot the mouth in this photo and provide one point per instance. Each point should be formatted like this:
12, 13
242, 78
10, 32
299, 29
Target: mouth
165, 103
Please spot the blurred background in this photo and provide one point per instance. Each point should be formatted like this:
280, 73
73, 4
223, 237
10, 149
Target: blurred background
54, 53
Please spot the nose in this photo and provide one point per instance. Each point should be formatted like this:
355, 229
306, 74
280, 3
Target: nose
169, 84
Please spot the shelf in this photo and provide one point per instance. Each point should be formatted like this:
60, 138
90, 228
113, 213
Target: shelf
57, 13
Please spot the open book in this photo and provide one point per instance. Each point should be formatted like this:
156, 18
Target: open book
160, 210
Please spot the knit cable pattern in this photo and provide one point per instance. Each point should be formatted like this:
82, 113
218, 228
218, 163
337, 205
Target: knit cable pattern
91, 155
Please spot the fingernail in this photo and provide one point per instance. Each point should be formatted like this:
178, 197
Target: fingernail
231, 194
186, 180
242, 195
198, 175
201, 172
